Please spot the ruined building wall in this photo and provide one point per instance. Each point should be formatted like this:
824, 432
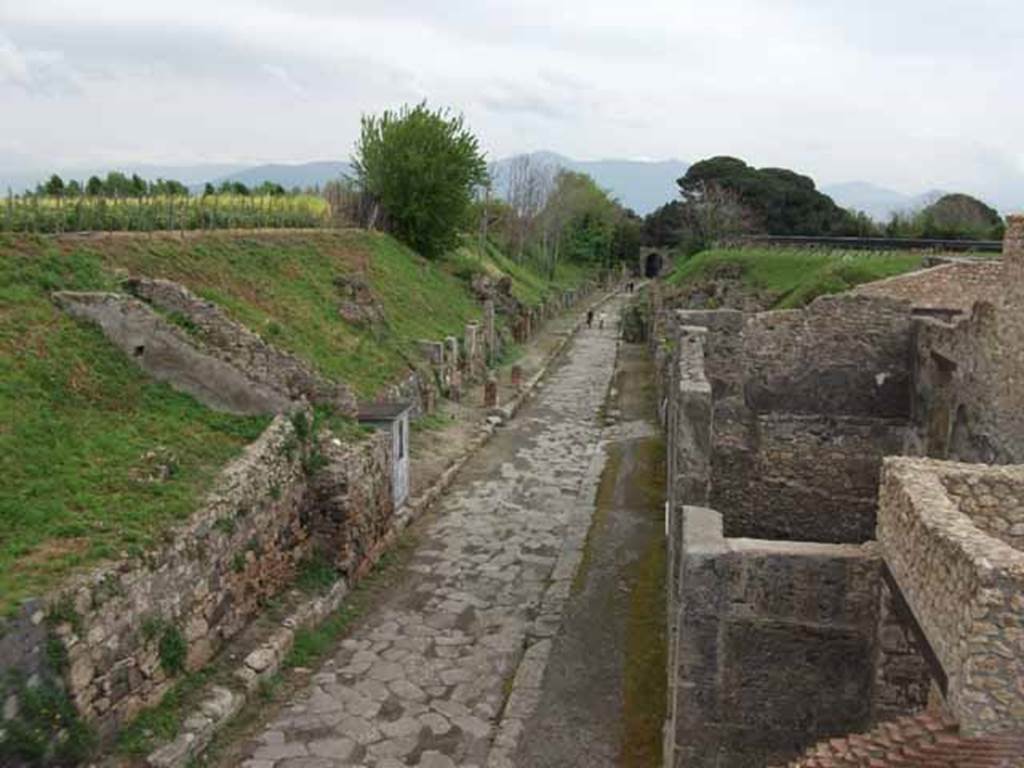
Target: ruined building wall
801, 477
127, 626
968, 398
963, 583
215, 333
775, 644
843, 355
772, 644
806, 404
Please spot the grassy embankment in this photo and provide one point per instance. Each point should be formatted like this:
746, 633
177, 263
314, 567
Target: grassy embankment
81, 429
792, 277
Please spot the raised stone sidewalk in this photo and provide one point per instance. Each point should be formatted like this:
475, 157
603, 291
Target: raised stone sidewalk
444, 672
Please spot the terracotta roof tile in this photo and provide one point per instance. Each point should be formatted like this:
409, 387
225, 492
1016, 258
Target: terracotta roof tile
923, 741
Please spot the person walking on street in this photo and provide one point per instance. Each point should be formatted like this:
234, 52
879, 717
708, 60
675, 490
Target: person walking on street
590, 317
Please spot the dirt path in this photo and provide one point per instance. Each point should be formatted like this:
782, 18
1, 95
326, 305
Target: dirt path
602, 701
423, 679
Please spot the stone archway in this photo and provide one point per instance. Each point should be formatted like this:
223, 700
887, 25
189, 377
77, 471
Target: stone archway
654, 262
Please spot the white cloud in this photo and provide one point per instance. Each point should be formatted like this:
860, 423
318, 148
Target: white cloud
908, 94
37, 71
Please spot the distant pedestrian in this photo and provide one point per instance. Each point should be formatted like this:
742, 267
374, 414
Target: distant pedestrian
590, 317
600, 320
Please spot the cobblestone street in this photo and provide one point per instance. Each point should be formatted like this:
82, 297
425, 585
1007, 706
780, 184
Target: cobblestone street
447, 670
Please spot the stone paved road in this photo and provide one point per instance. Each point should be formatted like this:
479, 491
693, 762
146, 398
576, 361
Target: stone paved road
423, 680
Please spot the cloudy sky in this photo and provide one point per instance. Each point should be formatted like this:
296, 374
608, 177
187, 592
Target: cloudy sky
904, 93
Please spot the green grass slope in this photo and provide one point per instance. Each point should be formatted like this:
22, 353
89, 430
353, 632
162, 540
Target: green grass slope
530, 285
81, 428
796, 276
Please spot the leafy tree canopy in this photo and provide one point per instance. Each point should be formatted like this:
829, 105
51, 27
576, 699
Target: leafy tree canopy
781, 201
664, 226
959, 215
421, 166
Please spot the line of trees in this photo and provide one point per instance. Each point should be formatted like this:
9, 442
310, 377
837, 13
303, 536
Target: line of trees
121, 186
723, 197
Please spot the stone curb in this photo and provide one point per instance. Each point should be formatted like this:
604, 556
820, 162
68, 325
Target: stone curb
525, 692
220, 704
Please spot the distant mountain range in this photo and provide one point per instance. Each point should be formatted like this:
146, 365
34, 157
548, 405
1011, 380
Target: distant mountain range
641, 185
878, 202
301, 175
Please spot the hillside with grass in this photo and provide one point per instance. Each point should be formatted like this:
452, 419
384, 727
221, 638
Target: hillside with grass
779, 278
98, 459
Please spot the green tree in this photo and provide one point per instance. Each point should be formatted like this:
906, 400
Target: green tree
664, 226
780, 201
420, 166
137, 186
961, 216
627, 238
74, 188
168, 187
270, 188
54, 186
94, 186
578, 221
233, 188
117, 185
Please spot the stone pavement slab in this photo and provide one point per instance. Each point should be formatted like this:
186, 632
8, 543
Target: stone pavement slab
423, 679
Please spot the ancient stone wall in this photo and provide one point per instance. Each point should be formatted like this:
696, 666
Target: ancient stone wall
993, 498
169, 354
968, 402
419, 386
903, 679
800, 477
806, 404
775, 645
192, 345
963, 585
843, 355
230, 341
352, 499
129, 628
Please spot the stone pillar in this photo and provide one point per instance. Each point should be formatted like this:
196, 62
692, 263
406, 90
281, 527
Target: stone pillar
1013, 259
517, 377
472, 352
455, 386
519, 330
491, 392
433, 351
490, 337
452, 352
